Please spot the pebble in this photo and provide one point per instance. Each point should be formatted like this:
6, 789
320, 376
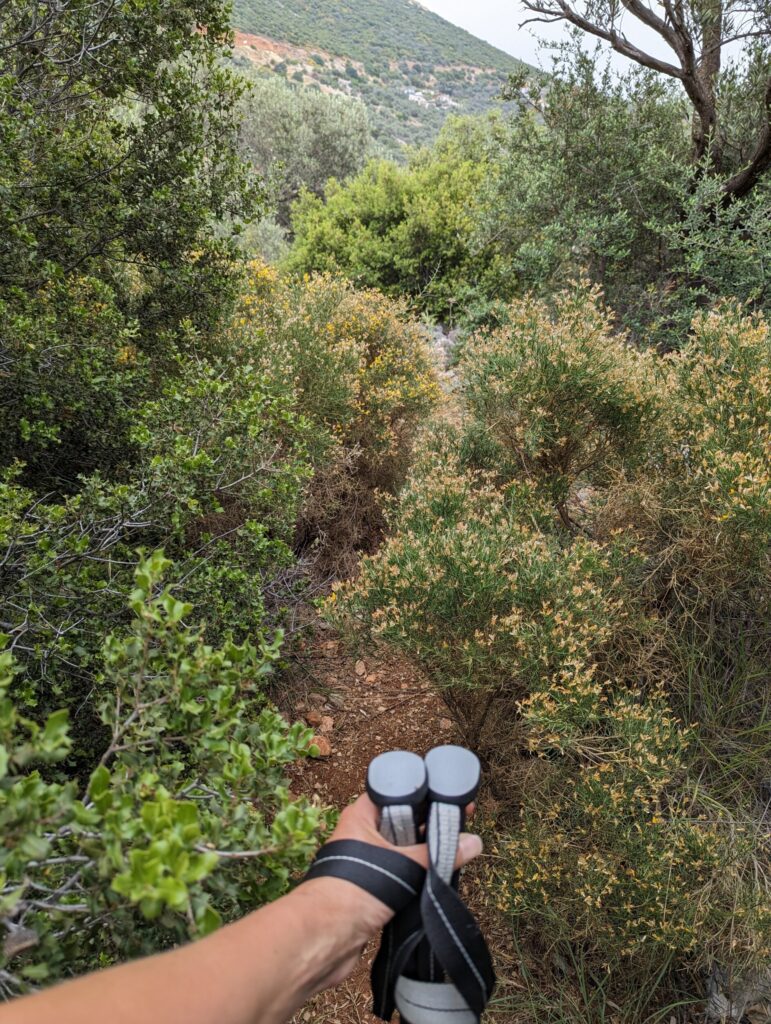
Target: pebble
323, 746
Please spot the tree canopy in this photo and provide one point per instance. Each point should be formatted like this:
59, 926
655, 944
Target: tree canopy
697, 36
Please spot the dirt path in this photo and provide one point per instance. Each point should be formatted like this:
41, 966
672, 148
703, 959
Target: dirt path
360, 707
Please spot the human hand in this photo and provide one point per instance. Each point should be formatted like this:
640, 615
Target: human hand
352, 913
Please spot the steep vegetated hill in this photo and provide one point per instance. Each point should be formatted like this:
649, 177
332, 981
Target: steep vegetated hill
411, 67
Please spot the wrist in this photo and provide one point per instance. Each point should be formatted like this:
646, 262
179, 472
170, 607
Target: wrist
342, 910
337, 919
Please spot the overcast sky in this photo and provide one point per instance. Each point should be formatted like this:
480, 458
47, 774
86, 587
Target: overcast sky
498, 22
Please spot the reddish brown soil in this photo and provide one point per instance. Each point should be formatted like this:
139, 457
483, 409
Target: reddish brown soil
376, 703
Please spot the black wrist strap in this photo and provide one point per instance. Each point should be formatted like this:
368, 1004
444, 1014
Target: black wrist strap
390, 877
433, 963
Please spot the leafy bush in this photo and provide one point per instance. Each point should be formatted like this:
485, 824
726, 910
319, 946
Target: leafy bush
183, 820
405, 230
561, 398
71, 372
360, 372
220, 473
300, 138
581, 568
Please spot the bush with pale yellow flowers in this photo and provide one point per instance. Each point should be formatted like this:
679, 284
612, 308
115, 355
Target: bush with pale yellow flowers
582, 568
359, 369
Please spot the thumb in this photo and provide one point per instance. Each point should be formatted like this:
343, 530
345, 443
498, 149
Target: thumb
469, 847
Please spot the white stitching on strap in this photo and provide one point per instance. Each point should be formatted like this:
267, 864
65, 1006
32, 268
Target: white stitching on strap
455, 938
367, 864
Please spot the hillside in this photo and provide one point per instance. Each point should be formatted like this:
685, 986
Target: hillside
411, 67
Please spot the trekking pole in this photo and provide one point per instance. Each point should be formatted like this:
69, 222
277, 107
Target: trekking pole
452, 946
433, 960
396, 783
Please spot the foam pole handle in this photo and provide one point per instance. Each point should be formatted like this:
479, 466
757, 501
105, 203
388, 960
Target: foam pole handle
397, 784
453, 778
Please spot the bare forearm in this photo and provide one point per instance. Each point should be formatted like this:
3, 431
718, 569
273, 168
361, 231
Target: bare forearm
256, 971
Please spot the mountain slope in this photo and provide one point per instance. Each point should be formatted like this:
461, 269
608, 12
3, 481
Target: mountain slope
408, 65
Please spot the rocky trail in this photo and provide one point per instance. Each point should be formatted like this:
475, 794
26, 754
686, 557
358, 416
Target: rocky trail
358, 707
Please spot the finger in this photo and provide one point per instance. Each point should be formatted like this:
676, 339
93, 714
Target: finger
469, 847
363, 811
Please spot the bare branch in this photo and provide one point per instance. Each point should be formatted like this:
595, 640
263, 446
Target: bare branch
619, 42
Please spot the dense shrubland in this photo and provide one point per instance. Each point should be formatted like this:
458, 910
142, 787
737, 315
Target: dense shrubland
237, 468
168, 475
577, 556
582, 567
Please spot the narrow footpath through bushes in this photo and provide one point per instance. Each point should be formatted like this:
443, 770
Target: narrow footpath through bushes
359, 707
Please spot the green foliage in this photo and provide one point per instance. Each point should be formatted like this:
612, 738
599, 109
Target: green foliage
358, 369
590, 174
73, 371
142, 786
184, 820
594, 175
118, 157
721, 250
405, 230
560, 397
581, 569
221, 468
300, 138
112, 161
587, 173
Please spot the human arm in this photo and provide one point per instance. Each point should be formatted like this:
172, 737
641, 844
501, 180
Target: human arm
258, 970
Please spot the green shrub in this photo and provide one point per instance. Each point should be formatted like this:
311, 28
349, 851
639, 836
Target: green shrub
221, 468
561, 399
183, 820
72, 371
406, 230
359, 370
582, 568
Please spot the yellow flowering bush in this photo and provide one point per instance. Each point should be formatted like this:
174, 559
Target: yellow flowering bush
558, 398
360, 370
616, 851
582, 567
473, 586
723, 424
